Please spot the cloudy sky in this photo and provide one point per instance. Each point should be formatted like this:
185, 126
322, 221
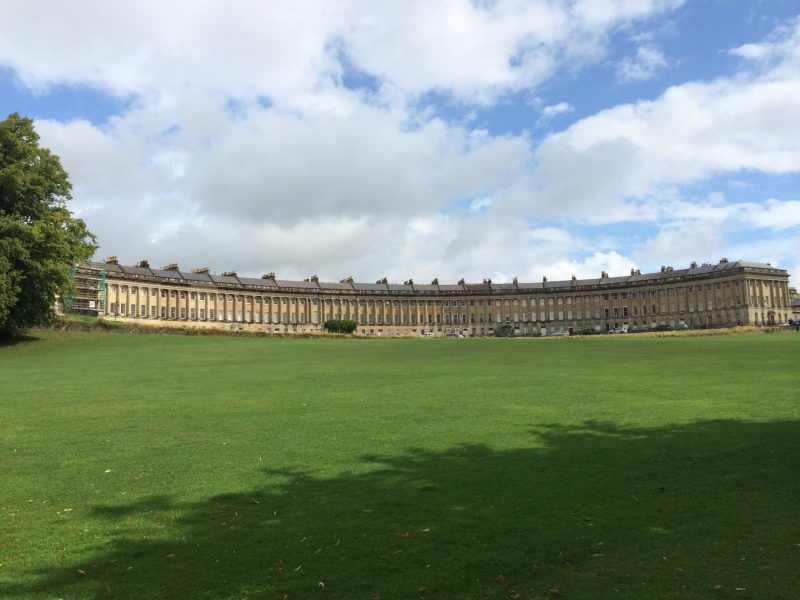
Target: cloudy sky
420, 139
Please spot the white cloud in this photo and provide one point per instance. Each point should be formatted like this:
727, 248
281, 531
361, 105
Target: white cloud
690, 133
774, 214
246, 48
782, 45
338, 182
681, 243
478, 205
647, 63
548, 112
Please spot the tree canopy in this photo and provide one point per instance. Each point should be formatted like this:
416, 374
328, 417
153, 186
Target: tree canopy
40, 239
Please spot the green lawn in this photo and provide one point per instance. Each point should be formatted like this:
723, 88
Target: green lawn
153, 466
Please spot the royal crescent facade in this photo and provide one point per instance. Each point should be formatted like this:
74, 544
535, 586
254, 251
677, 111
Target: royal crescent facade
710, 295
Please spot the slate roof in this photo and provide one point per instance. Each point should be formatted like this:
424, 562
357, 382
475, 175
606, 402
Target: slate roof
188, 277
224, 279
166, 274
285, 283
257, 282
335, 286
371, 287
196, 276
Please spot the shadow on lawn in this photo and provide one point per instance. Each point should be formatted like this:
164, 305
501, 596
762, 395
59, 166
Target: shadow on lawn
15, 340
708, 510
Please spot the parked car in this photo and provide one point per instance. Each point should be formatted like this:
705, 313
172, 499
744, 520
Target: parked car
681, 327
618, 330
662, 327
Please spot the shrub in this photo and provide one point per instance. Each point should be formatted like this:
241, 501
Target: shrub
340, 325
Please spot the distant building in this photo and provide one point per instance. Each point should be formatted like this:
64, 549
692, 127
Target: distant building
794, 299
710, 295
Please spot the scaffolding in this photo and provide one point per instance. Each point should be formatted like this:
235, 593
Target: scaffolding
90, 292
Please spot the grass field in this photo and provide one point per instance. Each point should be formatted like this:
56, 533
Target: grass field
153, 466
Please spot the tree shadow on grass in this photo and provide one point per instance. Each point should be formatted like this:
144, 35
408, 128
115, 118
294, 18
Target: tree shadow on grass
15, 340
708, 510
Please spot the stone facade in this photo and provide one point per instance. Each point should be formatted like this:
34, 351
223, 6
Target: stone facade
709, 295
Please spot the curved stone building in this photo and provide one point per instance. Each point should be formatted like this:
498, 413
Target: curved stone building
709, 295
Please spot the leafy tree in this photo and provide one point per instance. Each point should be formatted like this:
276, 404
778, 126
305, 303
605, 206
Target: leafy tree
40, 239
340, 325
504, 330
